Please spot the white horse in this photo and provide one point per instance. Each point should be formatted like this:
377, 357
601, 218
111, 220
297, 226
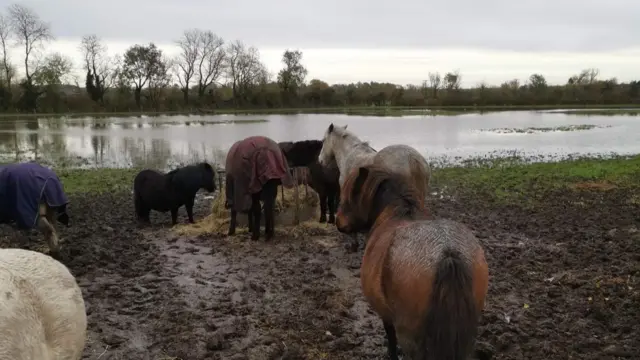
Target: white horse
42, 312
351, 153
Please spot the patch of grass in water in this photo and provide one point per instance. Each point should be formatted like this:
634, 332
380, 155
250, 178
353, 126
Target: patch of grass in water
516, 182
602, 112
531, 130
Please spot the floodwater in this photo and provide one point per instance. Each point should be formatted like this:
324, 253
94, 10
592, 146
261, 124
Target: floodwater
165, 141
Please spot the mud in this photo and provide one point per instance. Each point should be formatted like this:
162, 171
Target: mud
564, 284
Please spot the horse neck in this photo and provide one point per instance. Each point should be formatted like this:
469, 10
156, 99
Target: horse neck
392, 208
351, 152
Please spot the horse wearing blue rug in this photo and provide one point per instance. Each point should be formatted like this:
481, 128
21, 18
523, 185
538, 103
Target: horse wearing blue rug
31, 196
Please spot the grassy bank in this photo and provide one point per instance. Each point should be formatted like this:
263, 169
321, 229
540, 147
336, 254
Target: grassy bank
366, 110
502, 180
514, 181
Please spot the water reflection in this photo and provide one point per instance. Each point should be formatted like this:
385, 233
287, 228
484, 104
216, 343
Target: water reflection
164, 142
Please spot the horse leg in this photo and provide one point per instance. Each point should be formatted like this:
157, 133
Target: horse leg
189, 206
174, 216
46, 227
392, 340
256, 210
332, 206
233, 223
323, 206
269, 204
142, 211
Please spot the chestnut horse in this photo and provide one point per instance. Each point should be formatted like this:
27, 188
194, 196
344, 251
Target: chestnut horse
322, 179
426, 278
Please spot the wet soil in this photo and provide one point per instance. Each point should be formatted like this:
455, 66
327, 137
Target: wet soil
565, 282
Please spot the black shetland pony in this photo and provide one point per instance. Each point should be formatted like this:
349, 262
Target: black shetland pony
324, 179
153, 190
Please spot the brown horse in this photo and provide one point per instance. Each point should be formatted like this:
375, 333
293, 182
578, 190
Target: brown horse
426, 278
255, 166
322, 179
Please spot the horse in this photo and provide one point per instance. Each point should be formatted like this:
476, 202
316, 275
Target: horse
42, 312
255, 166
153, 190
348, 151
32, 196
322, 179
426, 278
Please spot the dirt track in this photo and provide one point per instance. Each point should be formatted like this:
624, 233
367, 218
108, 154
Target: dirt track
153, 295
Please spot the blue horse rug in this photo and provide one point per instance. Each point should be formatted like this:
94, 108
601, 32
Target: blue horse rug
23, 187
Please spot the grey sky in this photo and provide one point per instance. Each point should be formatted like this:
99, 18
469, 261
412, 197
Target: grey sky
542, 25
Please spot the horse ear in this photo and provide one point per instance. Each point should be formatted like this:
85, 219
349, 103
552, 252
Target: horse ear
331, 128
345, 127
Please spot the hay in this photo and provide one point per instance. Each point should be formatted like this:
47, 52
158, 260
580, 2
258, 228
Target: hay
217, 223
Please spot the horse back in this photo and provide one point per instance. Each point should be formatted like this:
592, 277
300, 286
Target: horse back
43, 308
403, 261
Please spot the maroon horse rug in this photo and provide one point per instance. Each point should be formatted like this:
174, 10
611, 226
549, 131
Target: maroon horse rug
250, 164
23, 187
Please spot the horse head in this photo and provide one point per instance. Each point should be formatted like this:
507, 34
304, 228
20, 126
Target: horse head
208, 177
332, 137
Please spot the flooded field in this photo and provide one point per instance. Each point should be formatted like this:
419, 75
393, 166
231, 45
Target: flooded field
164, 141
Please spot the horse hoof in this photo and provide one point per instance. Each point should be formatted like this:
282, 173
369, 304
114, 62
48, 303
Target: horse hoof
231, 233
255, 238
332, 221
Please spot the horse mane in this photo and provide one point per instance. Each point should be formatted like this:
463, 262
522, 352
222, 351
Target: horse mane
374, 188
347, 134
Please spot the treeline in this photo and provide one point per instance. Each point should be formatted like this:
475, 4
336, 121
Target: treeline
209, 73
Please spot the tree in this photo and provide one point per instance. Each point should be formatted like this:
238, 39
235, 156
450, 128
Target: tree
99, 67
141, 65
54, 71
452, 80
434, 83
291, 78
5, 37
185, 62
244, 70
211, 64
30, 32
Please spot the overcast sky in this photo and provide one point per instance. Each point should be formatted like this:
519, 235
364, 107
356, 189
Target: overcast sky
364, 40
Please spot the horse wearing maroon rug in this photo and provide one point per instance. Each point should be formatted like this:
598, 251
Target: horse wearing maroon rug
255, 166
322, 179
426, 278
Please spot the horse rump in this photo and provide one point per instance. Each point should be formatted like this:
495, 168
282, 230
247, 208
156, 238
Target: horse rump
449, 328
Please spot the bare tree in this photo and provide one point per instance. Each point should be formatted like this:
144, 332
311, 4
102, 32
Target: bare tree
160, 80
99, 66
142, 64
185, 62
30, 32
434, 83
211, 61
245, 70
5, 36
452, 80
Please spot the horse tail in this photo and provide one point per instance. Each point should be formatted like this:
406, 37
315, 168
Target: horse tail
450, 325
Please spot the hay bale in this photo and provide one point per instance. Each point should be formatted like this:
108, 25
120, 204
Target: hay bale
218, 221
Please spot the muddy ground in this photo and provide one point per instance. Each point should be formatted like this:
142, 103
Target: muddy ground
564, 284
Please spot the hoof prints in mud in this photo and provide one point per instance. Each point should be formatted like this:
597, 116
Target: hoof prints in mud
564, 283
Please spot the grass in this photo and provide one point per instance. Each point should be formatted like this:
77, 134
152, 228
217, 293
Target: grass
601, 112
504, 180
515, 181
531, 130
96, 181
357, 110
